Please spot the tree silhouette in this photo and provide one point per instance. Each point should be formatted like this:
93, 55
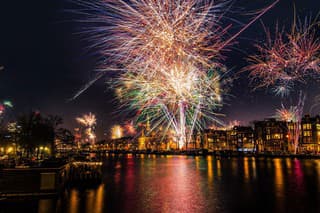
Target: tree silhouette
36, 130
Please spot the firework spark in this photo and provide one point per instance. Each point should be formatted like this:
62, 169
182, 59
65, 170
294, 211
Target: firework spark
287, 59
169, 53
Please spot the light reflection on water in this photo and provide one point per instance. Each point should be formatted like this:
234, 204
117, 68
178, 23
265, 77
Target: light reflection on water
149, 183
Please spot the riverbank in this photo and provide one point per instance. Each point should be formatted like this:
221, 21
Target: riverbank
218, 154
47, 181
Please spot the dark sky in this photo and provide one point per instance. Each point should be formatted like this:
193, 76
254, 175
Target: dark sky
46, 63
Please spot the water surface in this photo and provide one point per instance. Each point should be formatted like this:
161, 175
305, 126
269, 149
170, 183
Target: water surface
150, 183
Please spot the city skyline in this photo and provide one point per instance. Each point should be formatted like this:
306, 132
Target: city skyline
43, 66
160, 106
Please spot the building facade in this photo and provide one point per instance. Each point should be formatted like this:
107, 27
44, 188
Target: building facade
271, 135
242, 139
310, 134
239, 138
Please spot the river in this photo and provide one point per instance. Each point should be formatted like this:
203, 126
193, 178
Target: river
150, 183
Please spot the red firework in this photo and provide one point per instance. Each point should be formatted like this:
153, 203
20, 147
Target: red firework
286, 59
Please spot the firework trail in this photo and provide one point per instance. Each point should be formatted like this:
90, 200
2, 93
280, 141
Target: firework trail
169, 55
286, 59
293, 116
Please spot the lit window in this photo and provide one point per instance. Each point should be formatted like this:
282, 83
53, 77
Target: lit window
307, 133
276, 136
307, 126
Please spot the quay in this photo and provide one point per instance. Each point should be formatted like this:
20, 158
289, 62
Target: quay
204, 152
46, 181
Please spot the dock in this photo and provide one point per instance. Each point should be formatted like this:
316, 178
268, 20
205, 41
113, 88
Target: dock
46, 181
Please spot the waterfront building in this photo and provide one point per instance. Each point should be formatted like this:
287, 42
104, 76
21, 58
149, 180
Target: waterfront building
239, 138
143, 141
216, 140
124, 143
310, 134
242, 139
156, 140
197, 141
8, 145
271, 135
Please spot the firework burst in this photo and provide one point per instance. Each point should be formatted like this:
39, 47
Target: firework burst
5, 105
169, 53
130, 128
289, 115
287, 59
88, 121
183, 99
293, 116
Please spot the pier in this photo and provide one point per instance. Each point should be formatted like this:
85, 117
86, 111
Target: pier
47, 181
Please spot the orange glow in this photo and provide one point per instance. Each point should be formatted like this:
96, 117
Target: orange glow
116, 132
74, 202
210, 169
246, 168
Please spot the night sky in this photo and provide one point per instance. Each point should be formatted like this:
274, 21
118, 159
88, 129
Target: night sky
46, 62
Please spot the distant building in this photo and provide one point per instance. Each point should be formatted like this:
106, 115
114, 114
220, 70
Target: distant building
124, 143
310, 134
271, 135
242, 139
156, 141
239, 138
216, 140
197, 141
